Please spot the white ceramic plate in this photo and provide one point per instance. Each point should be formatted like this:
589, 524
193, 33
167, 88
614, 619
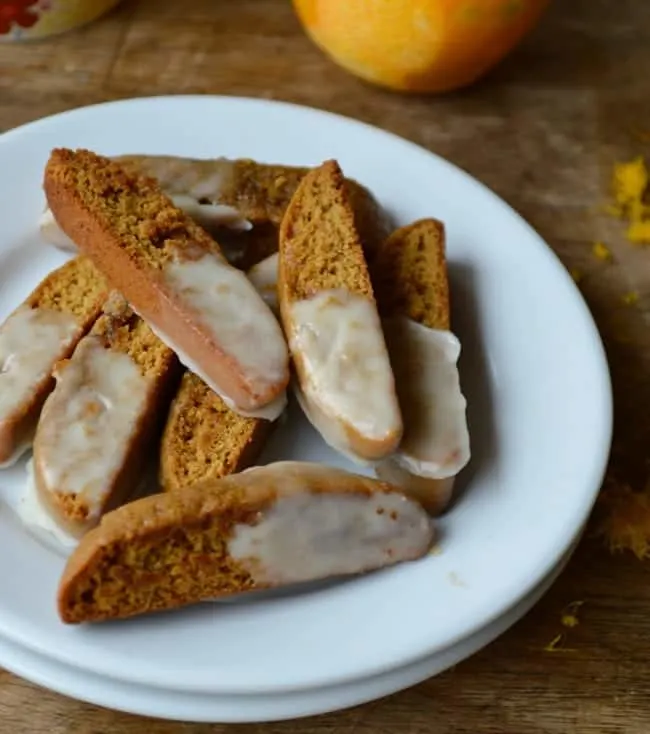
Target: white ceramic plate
533, 369
208, 707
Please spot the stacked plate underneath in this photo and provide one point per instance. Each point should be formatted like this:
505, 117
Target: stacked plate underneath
539, 411
254, 706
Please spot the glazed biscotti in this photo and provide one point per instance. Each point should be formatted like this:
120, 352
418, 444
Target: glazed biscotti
41, 331
204, 439
409, 273
345, 381
214, 218
238, 534
228, 198
100, 424
259, 192
174, 276
240, 201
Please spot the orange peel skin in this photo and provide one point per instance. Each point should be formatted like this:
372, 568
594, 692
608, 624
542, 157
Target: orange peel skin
418, 46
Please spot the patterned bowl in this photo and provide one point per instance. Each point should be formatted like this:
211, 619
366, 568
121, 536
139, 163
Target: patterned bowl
23, 20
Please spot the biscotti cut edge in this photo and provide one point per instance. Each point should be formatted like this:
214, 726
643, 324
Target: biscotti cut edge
321, 257
233, 535
409, 274
153, 253
100, 424
203, 439
46, 327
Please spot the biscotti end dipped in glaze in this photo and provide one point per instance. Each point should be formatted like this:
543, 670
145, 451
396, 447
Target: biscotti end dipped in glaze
239, 201
345, 381
44, 329
174, 275
204, 439
236, 535
260, 192
409, 274
101, 423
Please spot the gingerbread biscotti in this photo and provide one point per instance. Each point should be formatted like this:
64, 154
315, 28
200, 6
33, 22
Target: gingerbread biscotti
226, 197
259, 192
42, 330
214, 218
239, 201
204, 439
238, 534
409, 274
345, 381
101, 423
172, 273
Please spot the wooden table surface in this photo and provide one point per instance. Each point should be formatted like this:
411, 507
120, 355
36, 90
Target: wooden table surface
543, 131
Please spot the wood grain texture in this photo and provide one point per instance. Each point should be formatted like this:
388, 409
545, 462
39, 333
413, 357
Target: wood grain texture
543, 131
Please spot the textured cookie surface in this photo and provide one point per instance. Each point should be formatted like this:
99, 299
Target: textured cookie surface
44, 329
345, 381
204, 439
173, 274
238, 534
98, 426
410, 274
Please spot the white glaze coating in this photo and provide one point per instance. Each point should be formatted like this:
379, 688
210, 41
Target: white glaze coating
53, 234
307, 536
211, 217
21, 449
36, 517
270, 412
264, 276
346, 373
202, 182
434, 494
88, 423
435, 443
31, 341
233, 314
331, 431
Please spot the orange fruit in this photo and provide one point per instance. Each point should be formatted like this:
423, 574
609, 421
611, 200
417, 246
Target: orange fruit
418, 45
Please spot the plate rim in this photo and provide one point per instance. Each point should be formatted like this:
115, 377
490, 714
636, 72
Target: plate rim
296, 704
597, 358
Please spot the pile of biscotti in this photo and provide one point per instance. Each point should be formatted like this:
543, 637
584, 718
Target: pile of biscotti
200, 294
